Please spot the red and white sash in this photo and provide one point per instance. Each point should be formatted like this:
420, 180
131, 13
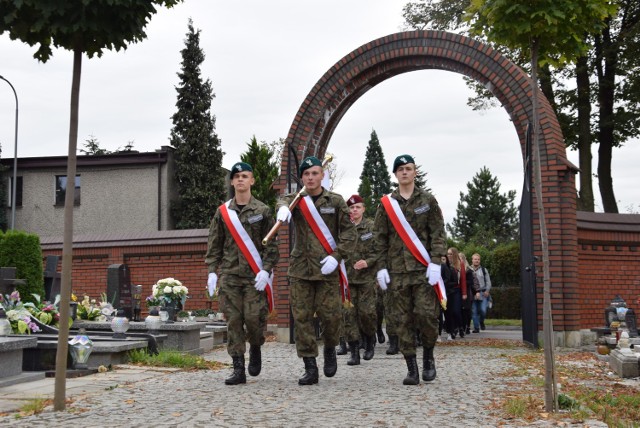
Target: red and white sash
411, 240
246, 245
322, 232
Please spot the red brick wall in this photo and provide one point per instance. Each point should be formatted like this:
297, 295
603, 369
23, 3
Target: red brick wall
148, 262
608, 256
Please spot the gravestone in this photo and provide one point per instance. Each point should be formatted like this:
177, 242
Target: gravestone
119, 288
51, 278
630, 320
137, 298
8, 281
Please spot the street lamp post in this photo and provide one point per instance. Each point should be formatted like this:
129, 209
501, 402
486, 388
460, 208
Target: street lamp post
15, 161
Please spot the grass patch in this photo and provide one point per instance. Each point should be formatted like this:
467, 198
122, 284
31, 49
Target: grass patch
501, 322
589, 391
168, 358
33, 407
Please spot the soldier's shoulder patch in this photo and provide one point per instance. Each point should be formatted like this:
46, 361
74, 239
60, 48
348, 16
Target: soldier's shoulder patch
327, 210
422, 209
255, 218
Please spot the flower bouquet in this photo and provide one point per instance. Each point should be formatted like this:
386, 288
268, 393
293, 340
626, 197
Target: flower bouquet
45, 312
169, 291
91, 310
170, 294
18, 314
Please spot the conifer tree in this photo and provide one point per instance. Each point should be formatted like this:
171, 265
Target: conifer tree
265, 171
199, 173
374, 175
484, 215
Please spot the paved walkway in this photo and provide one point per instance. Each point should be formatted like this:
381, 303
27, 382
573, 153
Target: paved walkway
370, 394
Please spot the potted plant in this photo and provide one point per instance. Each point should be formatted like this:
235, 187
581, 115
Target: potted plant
171, 295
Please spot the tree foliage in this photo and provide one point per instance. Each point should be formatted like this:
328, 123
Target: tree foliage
92, 147
199, 174
87, 27
265, 171
375, 180
596, 99
484, 215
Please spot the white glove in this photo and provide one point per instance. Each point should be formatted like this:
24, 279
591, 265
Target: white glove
284, 215
211, 283
261, 280
383, 278
329, 264
433, 273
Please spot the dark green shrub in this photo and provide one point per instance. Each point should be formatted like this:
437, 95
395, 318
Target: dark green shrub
505, 266
506, 303
485, 256
22, 250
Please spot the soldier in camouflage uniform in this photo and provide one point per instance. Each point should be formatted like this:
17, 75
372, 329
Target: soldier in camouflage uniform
242, 293
360, 316
413, 303
313, 273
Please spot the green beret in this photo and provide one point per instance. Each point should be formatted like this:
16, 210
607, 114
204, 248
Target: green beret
308, 162
239, 167
402, 160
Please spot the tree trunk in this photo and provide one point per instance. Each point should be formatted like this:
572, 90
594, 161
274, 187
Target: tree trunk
544, 77
550, 389
606, 97
585, 198
67, 243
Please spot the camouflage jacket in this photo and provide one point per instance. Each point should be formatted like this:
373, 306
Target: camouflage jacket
423, 214
223, 253
307, 251
363, 249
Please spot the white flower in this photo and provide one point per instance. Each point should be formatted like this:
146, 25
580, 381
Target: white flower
167, 290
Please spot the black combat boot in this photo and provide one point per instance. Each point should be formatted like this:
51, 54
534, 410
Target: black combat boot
393, 345
370, 343
330, 362
428, 365
413, 378
354, 360
380, 333
238, 375
342, 349
255, 360
310, 371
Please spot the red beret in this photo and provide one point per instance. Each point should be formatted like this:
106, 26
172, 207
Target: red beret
355, 199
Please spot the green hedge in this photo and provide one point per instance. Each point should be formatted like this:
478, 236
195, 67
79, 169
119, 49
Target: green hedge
506, 303
22, 250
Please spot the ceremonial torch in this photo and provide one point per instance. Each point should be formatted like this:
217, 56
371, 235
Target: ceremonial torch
292, 205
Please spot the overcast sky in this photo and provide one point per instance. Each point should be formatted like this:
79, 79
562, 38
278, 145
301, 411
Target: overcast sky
263, 58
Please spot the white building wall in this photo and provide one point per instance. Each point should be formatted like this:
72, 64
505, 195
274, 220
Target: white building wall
113, 199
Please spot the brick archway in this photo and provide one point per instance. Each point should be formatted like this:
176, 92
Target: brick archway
381, 59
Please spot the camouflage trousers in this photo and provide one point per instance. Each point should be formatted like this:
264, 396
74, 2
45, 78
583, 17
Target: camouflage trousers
360, 316
320, 298
382, 298
413, 305
243, 306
